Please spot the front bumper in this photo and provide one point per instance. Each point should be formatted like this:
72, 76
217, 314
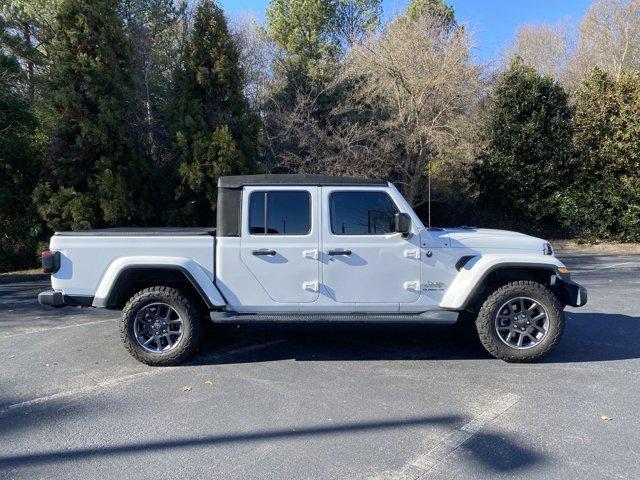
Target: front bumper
57, 298
570, 293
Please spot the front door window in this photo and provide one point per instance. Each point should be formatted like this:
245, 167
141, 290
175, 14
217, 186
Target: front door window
361, 213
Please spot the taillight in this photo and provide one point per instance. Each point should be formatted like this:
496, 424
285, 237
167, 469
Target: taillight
50, 261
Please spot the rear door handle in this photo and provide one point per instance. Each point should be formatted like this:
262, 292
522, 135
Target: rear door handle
339, 252
264, 252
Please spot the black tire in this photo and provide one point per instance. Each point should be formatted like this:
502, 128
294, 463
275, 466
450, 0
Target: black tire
489, 336
192, 325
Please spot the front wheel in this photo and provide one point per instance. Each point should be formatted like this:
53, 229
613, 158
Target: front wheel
161, 326
520, 322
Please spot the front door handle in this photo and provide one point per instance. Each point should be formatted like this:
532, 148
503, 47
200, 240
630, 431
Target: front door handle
339, 252
264, 252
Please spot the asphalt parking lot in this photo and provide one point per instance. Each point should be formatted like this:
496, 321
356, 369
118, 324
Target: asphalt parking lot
324, 401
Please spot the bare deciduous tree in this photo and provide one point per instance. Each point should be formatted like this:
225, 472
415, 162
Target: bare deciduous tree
356, 19
608, 38
344, 141
257, 54
546, 47
418, 73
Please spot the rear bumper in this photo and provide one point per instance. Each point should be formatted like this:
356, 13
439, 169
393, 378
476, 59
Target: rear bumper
570, 293
57, 298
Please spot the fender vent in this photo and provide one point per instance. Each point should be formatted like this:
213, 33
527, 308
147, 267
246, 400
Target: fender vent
463, 261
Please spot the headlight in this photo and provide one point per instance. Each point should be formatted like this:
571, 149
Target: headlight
547, 249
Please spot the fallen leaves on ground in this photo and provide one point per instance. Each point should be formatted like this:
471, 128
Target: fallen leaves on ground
208, 382
186, 388
606, 418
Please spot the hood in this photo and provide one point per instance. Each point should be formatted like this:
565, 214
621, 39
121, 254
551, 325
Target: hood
488, 238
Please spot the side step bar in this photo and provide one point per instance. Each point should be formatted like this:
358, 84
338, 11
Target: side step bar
435, 317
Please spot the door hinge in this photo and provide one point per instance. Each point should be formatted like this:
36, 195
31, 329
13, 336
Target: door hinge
312, 254
412, 254
310, 286
415, 286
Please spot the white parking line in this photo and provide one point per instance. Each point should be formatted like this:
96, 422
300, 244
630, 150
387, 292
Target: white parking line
618, 265
60, 327
111, 382
81, 390
420, 467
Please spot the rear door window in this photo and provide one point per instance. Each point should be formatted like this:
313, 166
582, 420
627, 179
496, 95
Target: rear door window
280, 212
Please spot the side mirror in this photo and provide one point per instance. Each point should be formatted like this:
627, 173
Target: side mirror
402, 224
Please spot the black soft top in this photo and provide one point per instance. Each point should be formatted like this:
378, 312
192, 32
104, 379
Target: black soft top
239, 181
229, 214
142, 232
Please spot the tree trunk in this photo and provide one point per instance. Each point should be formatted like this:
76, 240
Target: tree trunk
151, 138
26, 32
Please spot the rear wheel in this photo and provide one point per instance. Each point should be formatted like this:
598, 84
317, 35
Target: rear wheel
161, 326
520, 322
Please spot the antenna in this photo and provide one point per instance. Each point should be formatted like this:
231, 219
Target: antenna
429, 190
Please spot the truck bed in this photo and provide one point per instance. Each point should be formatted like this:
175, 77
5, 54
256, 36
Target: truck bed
86, 256
141, 232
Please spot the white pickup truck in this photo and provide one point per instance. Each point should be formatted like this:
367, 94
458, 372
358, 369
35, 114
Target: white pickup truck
299, 248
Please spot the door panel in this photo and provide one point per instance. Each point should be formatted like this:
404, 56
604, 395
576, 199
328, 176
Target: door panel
280, 240
368, 263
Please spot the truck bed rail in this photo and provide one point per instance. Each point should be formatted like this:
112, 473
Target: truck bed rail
141, 232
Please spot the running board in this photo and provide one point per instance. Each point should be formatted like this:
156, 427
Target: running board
436, 317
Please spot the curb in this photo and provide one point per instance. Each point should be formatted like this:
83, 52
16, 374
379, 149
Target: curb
23, 278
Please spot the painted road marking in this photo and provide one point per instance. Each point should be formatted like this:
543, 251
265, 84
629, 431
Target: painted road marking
60, 327
441, 449
111, 382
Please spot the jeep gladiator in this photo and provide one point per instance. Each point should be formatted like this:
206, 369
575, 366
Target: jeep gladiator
299, 248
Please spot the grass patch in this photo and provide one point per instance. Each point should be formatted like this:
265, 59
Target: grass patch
31, 271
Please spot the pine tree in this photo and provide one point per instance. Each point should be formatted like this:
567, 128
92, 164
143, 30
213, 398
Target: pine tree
311, 38
527, 129
29, 29
304, 34
94, 174
417, 8
214, 130
19, 166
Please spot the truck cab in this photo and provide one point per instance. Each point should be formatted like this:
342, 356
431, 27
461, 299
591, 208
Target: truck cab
314, 248
325, 245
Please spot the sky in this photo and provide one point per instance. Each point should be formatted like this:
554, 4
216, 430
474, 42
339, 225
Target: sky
493, 22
